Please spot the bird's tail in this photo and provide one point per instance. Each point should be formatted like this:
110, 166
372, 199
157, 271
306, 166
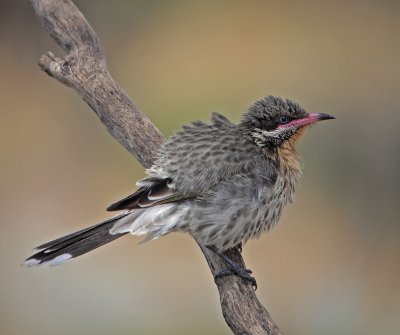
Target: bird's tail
75, 244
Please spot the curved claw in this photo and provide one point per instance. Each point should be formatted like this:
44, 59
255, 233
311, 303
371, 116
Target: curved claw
237, 271
233, 269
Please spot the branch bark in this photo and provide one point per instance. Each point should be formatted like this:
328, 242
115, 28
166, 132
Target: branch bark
84, 69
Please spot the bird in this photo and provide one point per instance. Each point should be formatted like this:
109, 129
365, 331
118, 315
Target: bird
220, 182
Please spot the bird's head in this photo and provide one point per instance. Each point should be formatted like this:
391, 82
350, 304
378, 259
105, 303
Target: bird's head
273, 121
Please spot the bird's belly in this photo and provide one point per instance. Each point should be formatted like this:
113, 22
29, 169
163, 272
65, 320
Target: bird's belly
241, 219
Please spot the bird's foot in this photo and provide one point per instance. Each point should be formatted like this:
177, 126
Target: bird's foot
240, 272
233, 269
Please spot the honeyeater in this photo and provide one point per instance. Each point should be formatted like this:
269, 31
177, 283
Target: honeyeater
223, 183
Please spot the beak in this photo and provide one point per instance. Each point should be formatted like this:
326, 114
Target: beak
309, 119
322, 116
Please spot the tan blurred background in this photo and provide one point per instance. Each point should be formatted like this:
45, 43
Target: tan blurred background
332, 264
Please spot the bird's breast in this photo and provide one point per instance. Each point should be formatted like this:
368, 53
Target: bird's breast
274, 200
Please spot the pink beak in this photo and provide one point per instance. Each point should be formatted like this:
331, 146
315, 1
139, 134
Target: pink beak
309, 119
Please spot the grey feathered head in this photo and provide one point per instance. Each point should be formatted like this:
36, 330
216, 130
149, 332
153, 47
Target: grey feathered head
272, 120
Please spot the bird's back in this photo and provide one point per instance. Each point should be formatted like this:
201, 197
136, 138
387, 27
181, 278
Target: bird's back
200, 156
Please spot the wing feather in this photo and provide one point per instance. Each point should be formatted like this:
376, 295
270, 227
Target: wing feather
152, 192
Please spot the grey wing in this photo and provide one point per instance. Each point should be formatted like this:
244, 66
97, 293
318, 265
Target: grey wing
155, 209
200, 156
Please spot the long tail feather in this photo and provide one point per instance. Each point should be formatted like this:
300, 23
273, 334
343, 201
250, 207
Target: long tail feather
75, 244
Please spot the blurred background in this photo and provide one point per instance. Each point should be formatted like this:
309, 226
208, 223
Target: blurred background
332, 264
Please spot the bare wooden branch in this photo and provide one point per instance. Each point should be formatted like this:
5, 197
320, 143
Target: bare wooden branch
84, 69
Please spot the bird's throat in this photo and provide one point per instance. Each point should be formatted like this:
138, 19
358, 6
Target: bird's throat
287, 157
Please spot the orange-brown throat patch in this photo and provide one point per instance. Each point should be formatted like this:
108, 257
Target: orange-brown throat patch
287, 154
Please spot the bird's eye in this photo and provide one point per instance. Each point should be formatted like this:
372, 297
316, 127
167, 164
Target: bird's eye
283, 120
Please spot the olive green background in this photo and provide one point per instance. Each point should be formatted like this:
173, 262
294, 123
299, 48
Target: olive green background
332, 264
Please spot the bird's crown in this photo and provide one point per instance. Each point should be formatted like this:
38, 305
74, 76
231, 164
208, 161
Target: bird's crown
270, 112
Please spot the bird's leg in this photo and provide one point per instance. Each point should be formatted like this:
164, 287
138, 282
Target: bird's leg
233, 269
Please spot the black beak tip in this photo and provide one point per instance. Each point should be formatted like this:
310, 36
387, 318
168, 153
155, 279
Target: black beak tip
323, 116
